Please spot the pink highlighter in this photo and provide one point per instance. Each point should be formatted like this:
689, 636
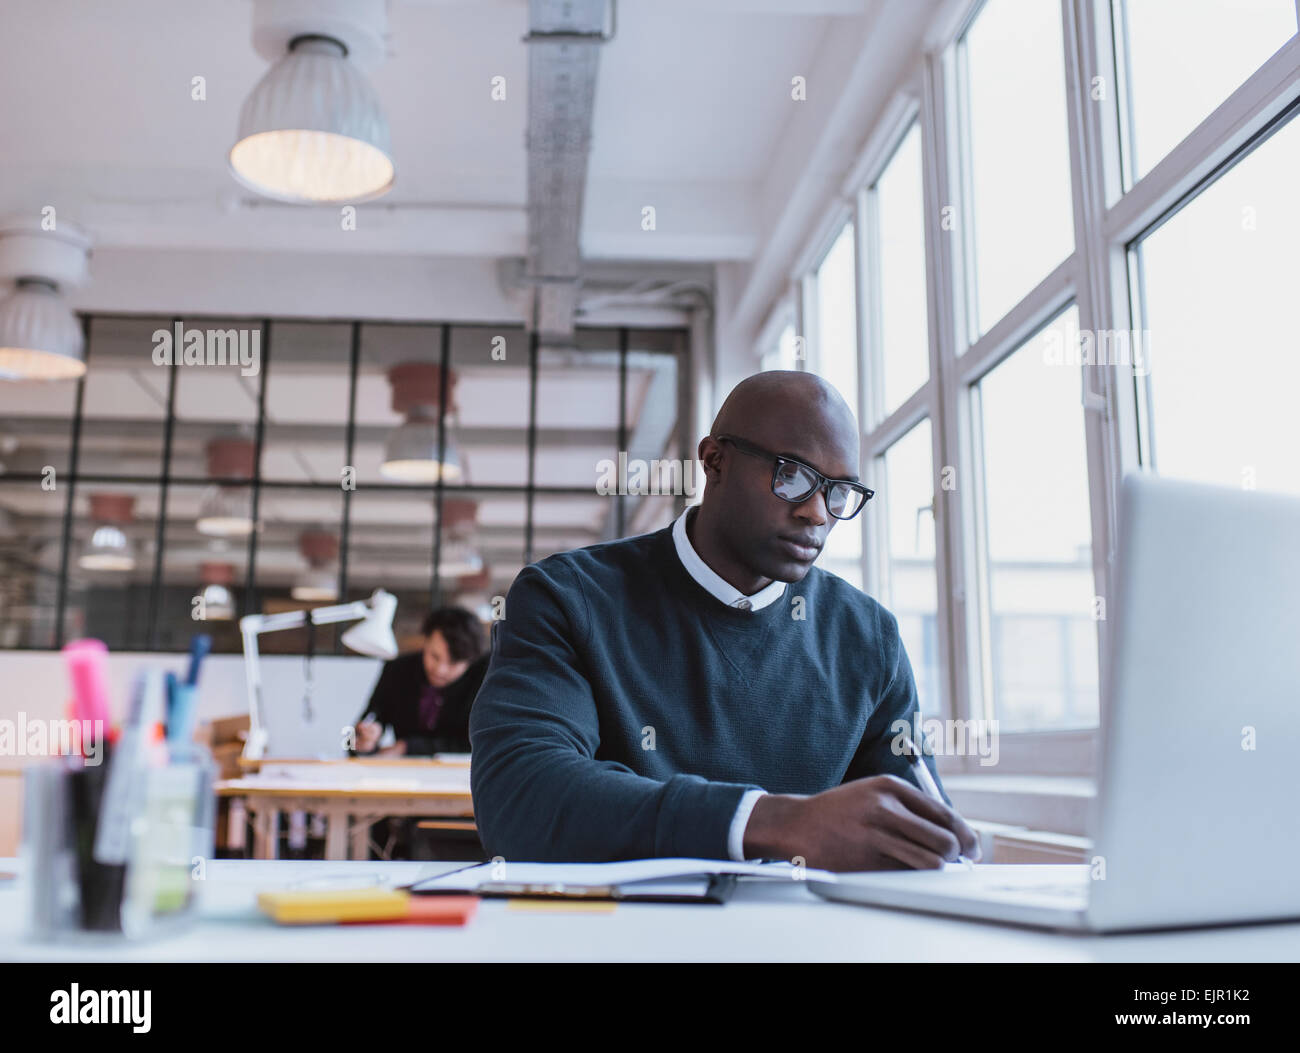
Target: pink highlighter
88, 669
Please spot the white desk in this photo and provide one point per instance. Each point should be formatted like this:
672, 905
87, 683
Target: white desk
784, 923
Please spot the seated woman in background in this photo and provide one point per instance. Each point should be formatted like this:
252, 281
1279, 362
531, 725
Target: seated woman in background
425, 696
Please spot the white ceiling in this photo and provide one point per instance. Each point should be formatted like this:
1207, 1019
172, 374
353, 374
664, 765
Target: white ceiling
692, 102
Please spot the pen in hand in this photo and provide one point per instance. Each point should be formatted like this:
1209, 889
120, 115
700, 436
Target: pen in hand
927, 782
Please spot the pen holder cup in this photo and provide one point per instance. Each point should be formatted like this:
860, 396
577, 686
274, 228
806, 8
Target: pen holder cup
116, 862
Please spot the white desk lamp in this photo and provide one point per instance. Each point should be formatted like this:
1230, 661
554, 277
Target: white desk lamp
372, 636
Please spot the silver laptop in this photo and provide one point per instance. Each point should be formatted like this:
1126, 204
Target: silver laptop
1195, 820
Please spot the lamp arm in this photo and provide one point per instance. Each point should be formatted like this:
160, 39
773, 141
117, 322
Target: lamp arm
250, 626
343, 612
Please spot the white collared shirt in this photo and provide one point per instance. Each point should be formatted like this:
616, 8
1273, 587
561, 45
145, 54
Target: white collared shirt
713, 583
724, 592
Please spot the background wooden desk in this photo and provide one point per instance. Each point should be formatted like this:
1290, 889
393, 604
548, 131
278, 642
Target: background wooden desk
352, 795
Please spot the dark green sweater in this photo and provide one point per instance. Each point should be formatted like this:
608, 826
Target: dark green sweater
626, 710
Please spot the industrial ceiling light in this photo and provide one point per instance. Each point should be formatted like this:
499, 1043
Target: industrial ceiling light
109, 548
459, 559
411, 453
313, 131
227, 511
316, 585
40, 338
320, 582
218, 604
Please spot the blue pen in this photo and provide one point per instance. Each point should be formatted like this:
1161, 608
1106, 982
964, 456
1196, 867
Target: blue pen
170, 683
200, 645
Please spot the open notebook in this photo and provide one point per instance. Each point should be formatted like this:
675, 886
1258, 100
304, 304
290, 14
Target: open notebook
636, 880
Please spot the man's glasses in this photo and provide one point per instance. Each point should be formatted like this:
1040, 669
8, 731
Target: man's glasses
796, 482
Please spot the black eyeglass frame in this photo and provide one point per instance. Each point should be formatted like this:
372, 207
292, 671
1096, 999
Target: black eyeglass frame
824, 482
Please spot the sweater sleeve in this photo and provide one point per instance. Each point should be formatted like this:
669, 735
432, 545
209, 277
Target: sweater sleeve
894, 715
539, 792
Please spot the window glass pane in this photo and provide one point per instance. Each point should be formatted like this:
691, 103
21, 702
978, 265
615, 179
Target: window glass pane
390, 546
837, 341
399, 398
124, 408
308, 379
215, 432
911, 586
483, 550
655, 448
565, 521
490, 365
1038, 535
1020, 157
297, 564
578, 411
205, 566
842, 553
904, 334
31, 543
110, 564
1219, 280
36, 427
1185, 57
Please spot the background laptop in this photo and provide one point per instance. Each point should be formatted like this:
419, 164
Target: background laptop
1193, 828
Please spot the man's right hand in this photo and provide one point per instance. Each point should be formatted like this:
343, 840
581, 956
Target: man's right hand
878, 823
368, 733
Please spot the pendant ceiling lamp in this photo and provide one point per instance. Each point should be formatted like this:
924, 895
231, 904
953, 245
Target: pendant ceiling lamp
109, 548
40, 337
218, 603
225, 510
313, 131
411, 453
320, 582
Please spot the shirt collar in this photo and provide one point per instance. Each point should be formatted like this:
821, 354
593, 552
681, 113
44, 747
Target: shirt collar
712, 582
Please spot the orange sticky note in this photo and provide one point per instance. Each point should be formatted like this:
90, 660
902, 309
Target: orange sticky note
439, 910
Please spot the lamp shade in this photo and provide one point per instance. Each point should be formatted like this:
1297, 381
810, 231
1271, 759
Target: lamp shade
316, 584
39, 336
313, 131
373, 635
225, 512
411, 451
218, 603
109, 549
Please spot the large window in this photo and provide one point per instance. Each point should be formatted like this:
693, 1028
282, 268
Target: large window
1036, 554
1217, 288
837, 320
1021, 222
837, 361
1070, 270
1181, 58
905, 516
896, 214
148, 501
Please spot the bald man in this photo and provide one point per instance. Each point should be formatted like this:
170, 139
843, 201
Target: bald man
705, 690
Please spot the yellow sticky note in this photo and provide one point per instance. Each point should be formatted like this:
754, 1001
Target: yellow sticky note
329, 906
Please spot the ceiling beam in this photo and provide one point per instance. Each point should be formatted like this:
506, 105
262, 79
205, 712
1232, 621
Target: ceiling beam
564, 42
